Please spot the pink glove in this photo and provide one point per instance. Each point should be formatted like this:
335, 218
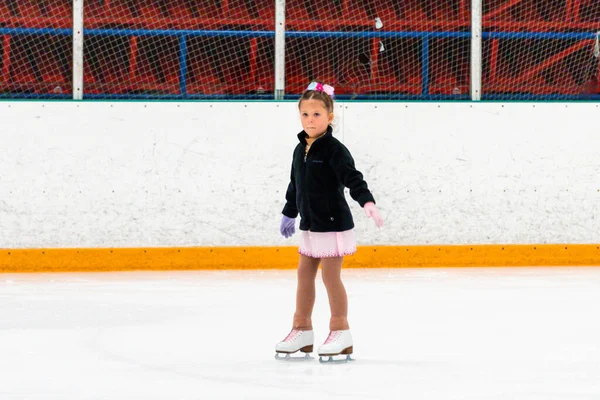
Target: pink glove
372, 212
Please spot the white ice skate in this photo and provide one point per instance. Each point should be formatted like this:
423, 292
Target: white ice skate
337, 343
295, 341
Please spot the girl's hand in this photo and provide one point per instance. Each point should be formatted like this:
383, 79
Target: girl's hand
287, 228
372, 212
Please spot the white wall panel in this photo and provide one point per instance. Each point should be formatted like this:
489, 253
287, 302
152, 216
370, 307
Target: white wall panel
215, 174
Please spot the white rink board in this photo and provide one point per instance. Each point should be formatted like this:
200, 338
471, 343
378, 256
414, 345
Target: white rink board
215, 174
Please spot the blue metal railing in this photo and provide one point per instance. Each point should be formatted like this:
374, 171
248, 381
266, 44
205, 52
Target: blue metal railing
223, 33
184, 34
320, 34
540, 35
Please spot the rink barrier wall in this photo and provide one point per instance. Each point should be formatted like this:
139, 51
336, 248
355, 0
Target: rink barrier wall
259, 258
185, 181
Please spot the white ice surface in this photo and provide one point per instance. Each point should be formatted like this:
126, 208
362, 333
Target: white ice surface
418, 334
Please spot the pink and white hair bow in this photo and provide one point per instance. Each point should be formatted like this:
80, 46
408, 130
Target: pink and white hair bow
319, 87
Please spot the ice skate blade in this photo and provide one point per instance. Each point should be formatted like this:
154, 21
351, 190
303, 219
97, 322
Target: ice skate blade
288, 357
331, 360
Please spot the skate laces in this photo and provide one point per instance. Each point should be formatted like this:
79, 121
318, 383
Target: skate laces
333, 336
292, 335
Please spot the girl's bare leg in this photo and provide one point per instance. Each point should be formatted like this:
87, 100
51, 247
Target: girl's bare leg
338, 300
305, 294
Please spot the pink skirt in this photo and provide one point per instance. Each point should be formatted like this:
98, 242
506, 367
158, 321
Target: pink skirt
327, 244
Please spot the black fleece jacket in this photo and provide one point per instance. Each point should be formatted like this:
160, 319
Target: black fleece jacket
316, 188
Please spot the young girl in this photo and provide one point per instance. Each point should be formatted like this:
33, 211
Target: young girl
322, 166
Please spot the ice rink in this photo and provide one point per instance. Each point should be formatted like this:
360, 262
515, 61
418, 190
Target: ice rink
435, 334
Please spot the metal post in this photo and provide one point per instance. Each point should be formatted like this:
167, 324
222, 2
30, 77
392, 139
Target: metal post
77, 49
279, 49
476, 46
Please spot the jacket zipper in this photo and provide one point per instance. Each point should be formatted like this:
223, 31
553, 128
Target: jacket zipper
306, 152
305, 156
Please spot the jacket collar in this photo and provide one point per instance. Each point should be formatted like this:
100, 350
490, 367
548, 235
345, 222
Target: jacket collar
303, 135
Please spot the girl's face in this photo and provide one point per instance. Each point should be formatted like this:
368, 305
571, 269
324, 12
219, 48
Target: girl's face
315, 117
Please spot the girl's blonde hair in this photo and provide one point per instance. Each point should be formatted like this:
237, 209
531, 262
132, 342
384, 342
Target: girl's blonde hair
317, 95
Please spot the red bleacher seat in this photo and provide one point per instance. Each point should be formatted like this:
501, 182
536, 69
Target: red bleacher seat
510, 10
554, 11
352, 74
178, 14
181, 10
307, 60
204, 76
107, 65
208, 9
296, 78
43, 14
23, 75
321, 53
586, 14
47, 69
529, 15
258, 13
325, 10
398, 68
5, 13
313, 15
449, 66
264, 68
60, 13
156, 66
27, 14
235, 65
4, 61
412, 14
564, 69
95, 14
560, 79
196, 14
153, 14
446, 11
122, 13
507, 62
364, 12
444, 80
514, 60
420, 15
56, 60
570, 69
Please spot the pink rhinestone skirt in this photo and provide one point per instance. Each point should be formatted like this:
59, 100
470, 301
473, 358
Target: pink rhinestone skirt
327, 244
